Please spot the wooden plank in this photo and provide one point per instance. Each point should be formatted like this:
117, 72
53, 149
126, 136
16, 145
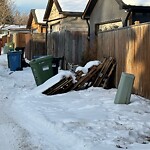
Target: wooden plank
49, 90
148, 62
79, 75
84, 79
100, 47
112, 44
137, 49
140, 62
106, 82
116, 41
103, 72
87, 77
144, 66
63, 87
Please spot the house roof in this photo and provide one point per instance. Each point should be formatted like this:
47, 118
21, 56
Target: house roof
89, 8
12, 27
134, 4
124, 4
1, 35
66, 7
137, 2
37, 15
16, 28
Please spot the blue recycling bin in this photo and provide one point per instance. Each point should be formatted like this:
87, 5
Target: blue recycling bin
14, 60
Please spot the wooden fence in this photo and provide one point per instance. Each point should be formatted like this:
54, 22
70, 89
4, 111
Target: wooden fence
35, 45
19, 39
131, 48
70, 44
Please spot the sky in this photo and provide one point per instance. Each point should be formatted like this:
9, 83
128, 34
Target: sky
27, 5
77, 120
74, 6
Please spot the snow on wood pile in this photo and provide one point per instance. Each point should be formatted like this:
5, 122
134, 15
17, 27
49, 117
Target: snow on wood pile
64, 85
94, 73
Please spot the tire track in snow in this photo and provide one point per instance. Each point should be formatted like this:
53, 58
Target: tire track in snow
12, 136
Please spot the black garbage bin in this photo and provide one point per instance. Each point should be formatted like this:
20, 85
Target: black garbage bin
23, 62
56, 64
20, 49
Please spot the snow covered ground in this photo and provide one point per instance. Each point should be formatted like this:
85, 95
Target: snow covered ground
77, 120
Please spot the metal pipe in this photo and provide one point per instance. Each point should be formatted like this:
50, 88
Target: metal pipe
87, 21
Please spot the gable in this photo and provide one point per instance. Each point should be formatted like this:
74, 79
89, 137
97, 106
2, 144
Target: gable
54, 14
66, 7
30, 19
35, 18
105, 11
34, 25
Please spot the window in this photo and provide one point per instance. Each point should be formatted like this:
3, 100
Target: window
105, 26
141, 17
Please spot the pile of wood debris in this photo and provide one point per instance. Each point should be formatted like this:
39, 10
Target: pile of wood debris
97, 76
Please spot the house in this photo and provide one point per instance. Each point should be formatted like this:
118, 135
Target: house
65, 15
11, 29
128, 45
35, 22
11, 32
66, 34
106, 14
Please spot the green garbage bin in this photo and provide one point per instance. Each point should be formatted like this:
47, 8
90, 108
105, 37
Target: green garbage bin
124, 89
42, 69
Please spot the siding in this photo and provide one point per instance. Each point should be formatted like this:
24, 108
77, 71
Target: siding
69, 23
106, 10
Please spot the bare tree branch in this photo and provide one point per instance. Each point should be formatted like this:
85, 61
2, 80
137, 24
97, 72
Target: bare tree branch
7, 8
20, 18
